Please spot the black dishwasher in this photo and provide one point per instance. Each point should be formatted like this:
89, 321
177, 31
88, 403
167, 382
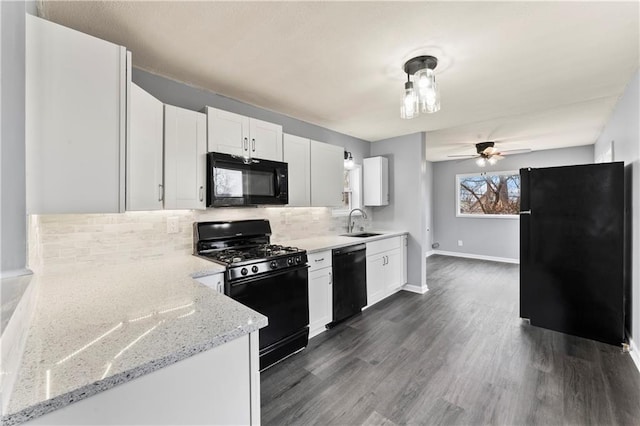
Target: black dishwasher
349, 282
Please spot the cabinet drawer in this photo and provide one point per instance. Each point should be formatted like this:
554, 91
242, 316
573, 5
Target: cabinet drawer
321, 259
383, 245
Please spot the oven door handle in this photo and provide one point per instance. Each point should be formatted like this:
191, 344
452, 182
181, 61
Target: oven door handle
248, 280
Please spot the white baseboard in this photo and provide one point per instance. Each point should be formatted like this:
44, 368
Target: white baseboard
635, 355
477, 256
415, 288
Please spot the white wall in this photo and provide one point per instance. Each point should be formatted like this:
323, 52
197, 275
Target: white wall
623, 128
493, 237
409, 195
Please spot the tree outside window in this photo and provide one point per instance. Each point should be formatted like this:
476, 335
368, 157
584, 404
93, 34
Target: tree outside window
488, 194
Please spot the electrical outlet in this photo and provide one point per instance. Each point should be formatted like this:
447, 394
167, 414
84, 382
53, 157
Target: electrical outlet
459, 243
173, 225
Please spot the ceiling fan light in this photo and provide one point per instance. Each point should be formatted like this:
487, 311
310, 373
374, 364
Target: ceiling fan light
481, 162
409, 105
492, 160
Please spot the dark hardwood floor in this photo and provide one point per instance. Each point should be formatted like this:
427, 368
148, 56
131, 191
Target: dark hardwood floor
456, 355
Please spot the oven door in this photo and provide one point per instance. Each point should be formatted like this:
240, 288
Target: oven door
281, 296
239, 181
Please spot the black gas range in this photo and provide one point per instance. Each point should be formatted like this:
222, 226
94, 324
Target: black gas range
268, 278
247, 261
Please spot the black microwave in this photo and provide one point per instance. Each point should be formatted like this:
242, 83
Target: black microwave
241, 181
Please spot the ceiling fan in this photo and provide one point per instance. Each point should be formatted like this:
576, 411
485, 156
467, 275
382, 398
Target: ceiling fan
487, 153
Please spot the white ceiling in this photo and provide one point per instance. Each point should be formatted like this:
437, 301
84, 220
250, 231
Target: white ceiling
536, 75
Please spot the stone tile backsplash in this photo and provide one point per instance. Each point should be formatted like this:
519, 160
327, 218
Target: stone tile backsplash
92, 239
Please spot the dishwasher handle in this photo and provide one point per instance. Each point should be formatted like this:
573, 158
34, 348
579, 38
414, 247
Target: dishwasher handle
349, 249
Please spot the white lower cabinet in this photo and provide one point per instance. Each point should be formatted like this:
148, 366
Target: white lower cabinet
220, 386
385, 268
215, 281
320, 292
375, 278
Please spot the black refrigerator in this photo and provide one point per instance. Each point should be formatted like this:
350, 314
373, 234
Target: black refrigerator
572, 250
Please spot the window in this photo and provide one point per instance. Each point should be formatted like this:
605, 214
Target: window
352, 193
488, 194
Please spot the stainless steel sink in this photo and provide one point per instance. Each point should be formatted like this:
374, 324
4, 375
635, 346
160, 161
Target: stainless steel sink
361, 234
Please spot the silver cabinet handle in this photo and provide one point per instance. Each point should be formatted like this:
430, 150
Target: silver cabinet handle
320, 260
330, 279
525, 212
202, 193
245, 145
253, 144
160, 192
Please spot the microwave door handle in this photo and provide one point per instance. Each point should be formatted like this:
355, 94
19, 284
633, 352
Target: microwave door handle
278, 181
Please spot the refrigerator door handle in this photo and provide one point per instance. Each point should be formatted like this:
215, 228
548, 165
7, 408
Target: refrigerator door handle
525, 212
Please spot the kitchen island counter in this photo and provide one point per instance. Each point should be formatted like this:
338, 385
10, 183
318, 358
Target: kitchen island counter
97, 328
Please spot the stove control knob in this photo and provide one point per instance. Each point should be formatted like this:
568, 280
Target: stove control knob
290, 261
244, 271
274, 265
254, 269
298, 259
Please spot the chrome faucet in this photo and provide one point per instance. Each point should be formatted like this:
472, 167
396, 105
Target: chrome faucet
350, 224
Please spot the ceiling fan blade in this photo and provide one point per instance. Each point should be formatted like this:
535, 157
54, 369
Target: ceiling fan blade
466, 155
497, 156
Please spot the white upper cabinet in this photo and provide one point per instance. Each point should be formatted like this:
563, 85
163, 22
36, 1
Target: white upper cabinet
236, 134
265, 140
297, 154
185, 147
227, 132
76, 120
376, 181
327, 174
144, 151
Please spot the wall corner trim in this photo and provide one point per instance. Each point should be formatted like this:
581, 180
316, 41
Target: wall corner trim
415, 288
635, 355
477, 256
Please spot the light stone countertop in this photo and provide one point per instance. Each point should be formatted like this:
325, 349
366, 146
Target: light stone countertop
329, 242
95, 329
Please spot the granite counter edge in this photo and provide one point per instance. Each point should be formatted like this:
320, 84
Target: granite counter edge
60, 401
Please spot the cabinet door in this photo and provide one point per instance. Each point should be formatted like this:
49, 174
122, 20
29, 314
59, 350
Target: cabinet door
215, 281
327, 174
75, 104
185, 146
265, 140
320, 300
393, 271
376, 289
376, 181
297, 154
144, 151
227, 132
